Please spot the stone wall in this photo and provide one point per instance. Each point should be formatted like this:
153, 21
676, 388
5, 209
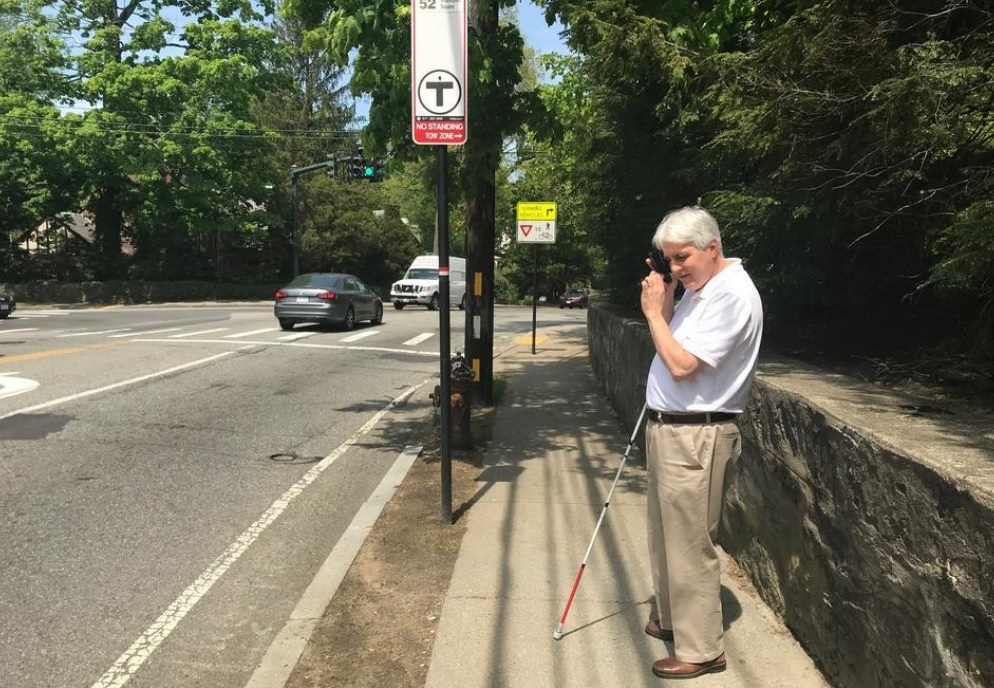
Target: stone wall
864, 517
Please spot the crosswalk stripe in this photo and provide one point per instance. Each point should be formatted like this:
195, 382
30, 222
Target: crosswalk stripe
414, 341
194, 334
21, 313
145, 332
90, 334
19, 329
359, 335
249, 334
295, 337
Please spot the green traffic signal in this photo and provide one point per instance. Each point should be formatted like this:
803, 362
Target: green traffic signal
360, 169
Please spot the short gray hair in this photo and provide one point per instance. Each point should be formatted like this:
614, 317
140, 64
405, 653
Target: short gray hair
689, 225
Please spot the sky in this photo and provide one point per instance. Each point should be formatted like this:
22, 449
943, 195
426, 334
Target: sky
537, 34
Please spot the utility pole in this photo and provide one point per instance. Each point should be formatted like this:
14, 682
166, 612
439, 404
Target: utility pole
480, 238
295, 224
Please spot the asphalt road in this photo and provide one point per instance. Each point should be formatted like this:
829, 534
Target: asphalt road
172, 478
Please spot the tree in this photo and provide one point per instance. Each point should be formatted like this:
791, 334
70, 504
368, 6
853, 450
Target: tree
844, 146
352, 228
311, 116
168, 148
556, 163
35, 177
379, 32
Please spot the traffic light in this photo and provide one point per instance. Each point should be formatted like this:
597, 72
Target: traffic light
372, 170
358, 168
354, 168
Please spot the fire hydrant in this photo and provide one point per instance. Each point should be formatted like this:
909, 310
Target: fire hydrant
460, 402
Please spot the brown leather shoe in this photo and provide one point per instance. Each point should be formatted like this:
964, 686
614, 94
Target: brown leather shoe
671, 667
656, 631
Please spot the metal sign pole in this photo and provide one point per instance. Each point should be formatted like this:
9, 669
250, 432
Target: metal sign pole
439, 77
535, 299
443, 327
536, 225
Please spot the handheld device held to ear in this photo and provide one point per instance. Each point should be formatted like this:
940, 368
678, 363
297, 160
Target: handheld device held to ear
660, 264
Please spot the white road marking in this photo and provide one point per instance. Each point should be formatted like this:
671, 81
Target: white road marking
90, 334
414, 341
249, 334
21, 313
194, 334
296, 336
19, 329
286, 649
345, 347
116, 385
142, 334
139, 652
10, 385
359, 335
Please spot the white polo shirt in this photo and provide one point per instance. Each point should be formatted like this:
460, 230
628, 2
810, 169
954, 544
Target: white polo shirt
722, 325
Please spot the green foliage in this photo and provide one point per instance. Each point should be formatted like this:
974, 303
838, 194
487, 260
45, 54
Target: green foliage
965, 261
341, 233
173, 155
504, 288
844, 146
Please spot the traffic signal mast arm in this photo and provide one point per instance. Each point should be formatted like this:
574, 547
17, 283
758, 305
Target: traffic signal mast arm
297, 171
353, 168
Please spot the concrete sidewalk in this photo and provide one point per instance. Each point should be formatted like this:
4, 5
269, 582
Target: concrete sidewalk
556, 450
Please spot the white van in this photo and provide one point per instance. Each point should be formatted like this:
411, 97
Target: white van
420, 284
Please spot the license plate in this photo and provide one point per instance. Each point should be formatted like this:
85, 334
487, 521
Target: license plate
4, 306
302, 299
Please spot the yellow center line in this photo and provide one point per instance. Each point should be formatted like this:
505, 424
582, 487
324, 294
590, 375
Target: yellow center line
53, 352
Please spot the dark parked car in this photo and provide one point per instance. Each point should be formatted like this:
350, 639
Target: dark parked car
7, 306
574, 298
327, 298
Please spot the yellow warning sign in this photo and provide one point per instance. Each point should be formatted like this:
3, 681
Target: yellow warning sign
536, 211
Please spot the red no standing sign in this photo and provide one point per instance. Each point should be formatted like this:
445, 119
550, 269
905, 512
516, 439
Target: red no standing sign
438, 72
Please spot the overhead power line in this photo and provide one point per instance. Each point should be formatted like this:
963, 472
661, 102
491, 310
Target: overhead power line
37, 122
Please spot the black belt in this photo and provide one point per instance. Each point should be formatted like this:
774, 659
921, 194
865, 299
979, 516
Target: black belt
691, 418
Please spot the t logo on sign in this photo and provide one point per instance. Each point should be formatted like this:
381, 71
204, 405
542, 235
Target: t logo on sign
439, 92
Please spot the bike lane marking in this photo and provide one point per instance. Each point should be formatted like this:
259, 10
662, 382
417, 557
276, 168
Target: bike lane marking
11, 385
116, 385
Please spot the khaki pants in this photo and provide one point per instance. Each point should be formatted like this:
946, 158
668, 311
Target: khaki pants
686, 466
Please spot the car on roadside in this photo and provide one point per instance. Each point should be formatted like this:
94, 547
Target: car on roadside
327, 298
574, 298
7, 306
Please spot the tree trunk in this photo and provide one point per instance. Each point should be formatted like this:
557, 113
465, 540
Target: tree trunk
480, 221
483, 155
108, 220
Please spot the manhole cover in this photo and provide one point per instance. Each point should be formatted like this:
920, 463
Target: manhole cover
293, 457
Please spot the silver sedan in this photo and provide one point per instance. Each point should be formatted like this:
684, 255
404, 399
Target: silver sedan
327, 298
